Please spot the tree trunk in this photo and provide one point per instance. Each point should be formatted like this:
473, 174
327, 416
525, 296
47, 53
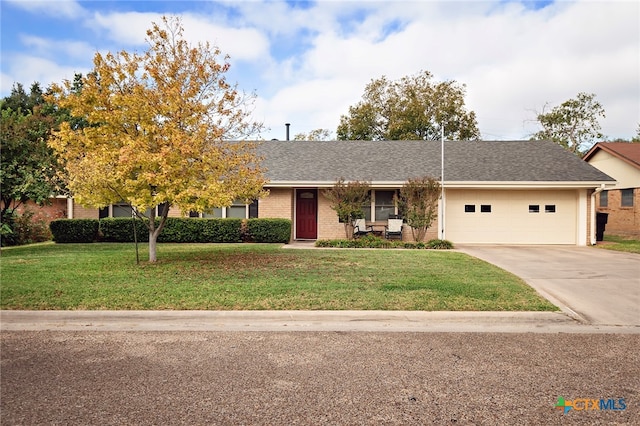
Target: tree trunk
154, 232
152, 246
153, 237
348, 230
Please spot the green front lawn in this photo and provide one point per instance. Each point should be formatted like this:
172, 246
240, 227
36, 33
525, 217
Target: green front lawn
256, 276
613, 242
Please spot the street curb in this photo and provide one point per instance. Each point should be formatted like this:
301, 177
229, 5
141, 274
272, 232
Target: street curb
298, 321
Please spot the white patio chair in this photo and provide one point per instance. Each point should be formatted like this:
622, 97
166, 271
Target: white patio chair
361, 228
393, 228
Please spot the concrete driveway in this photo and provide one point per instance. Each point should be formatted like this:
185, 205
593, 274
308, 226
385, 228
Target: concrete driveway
593, 285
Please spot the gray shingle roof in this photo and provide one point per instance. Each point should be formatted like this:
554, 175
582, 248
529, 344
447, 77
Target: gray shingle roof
396, 161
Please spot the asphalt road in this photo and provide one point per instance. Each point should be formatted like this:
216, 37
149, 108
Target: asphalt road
274, 378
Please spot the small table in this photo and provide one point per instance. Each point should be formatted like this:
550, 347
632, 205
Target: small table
379, 232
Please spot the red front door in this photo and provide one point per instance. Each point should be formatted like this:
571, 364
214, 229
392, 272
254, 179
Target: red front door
307, 214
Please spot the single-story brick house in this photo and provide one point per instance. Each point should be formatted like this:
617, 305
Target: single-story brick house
620, 160
495, 192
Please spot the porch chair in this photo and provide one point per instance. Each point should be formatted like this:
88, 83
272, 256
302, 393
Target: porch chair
393, 228
361, 228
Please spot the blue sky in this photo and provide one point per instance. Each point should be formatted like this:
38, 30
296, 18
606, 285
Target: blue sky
309, 61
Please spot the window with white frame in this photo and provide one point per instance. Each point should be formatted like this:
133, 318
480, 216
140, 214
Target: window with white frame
238, 210
381, 206
125, 210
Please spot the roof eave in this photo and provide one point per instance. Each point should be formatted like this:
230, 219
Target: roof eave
457, 184
529, 184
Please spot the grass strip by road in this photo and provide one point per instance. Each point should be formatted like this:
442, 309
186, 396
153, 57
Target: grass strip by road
256, 276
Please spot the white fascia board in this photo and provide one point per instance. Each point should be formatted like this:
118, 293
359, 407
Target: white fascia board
528, 184
327, 184
458, 184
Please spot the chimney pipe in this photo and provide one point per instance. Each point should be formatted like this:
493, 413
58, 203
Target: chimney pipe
287, 124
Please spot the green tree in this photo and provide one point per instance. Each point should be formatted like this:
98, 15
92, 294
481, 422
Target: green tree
412, 108
160, 130
314, 135
28, 168
418, 202
573, 124
347, 199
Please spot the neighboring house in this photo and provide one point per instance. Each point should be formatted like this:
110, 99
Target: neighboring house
499, 192
620, 160
56, 208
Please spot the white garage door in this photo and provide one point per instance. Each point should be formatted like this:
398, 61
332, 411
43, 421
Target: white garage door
511, 217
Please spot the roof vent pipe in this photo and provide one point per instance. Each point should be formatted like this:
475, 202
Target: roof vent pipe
287, 124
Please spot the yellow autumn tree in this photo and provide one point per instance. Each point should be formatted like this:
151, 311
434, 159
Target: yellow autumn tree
163, 126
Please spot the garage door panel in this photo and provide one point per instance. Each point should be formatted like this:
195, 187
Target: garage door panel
510, 220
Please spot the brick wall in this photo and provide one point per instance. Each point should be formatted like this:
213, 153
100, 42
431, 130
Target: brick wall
277, 205
57, 209
80, 212
622, 220
329, 227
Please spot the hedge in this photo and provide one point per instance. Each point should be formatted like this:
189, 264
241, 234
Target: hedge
268, 230
176, 230
195, 230
74, 230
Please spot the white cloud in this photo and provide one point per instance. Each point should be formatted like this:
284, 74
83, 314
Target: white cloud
129, 29
28, 69
50, 47
57, 8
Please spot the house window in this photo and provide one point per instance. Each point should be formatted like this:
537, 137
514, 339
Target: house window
121, 210
124, 210
534, 208
485, 208
159, 210
550, 208
237, 210
469, 208
366, 207
626, 199
253, 209
604, 199
213, 213
384, 204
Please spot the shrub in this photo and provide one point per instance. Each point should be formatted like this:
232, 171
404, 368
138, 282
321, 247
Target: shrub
30, 228
376, 242
74, 230
440, 244
26, 227
268, 230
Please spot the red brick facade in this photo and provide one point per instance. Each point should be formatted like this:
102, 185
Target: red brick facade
624, 221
